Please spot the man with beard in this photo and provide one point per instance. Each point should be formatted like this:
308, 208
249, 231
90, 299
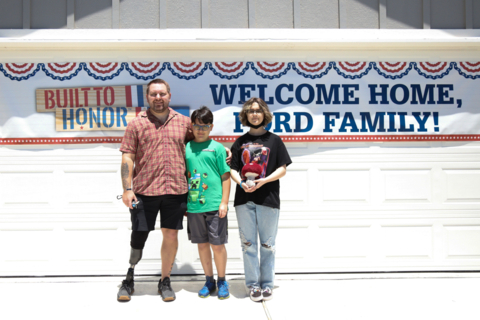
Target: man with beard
153, 179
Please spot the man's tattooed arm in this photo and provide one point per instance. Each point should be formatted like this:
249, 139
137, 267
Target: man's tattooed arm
126, 170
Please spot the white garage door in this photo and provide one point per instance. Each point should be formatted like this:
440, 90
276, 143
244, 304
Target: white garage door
345, 207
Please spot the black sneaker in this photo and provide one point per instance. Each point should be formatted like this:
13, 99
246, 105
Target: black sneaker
255, 294
267, 294
126, 289
166, 290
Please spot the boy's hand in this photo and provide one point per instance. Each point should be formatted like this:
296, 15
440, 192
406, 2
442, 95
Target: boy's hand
222, 210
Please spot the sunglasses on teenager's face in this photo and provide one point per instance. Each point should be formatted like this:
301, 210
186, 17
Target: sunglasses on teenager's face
201, 128
253, 111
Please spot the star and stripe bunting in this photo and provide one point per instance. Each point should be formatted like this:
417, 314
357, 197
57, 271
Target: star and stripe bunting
393, 70
145, 70
470, 70
312, 70
62, 71
234, 70
353, 70
228, 70
187, 70
271, 70
20, 71
433, 70
104, 71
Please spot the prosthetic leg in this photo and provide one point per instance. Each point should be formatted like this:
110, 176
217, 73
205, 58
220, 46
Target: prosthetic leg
137, 243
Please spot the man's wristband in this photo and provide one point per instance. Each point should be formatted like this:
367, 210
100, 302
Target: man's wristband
241, 183
128, 189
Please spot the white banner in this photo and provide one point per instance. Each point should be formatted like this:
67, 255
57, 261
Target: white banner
317, 101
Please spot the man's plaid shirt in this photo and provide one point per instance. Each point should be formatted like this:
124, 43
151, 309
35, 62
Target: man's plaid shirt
159, 153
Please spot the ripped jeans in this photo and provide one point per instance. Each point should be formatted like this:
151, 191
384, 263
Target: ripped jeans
258, 221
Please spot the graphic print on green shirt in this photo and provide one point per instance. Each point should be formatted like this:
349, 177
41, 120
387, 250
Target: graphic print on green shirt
205, 166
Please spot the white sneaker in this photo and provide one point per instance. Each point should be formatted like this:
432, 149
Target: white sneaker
267, 294
255, 294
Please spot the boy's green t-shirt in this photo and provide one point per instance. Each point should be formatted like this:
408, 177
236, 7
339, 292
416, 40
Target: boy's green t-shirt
206, 163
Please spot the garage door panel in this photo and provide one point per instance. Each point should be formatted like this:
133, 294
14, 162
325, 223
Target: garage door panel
345, 185
343, 242
27, 246
95, 188
463, 242
295, 192
88, 245
463, 185
24, 188
406, 242
407, 185
293, 242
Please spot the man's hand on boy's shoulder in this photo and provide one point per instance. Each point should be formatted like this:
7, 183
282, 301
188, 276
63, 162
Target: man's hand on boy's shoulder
229, 155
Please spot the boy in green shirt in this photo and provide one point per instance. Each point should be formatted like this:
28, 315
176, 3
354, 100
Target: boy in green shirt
208, 192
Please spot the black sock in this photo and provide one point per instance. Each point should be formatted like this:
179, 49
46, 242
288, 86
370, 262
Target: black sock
211, 279
221, 279
129, 274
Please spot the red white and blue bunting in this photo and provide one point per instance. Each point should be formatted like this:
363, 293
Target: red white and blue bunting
187, 70
393, 70
145, 70
103, 71
271, 70
470, 70
353, 70
234, 70
321, 101
62, 71
20, 71
313, 70
228, 70
433, 70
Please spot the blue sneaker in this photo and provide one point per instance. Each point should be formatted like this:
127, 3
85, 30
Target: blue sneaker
223, 292
208, 287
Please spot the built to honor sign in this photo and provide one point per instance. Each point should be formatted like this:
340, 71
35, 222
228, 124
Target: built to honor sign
111, 96
94, 119
92, 108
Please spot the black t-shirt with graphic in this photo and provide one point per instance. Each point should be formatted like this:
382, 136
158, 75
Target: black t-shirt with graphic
268, 151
